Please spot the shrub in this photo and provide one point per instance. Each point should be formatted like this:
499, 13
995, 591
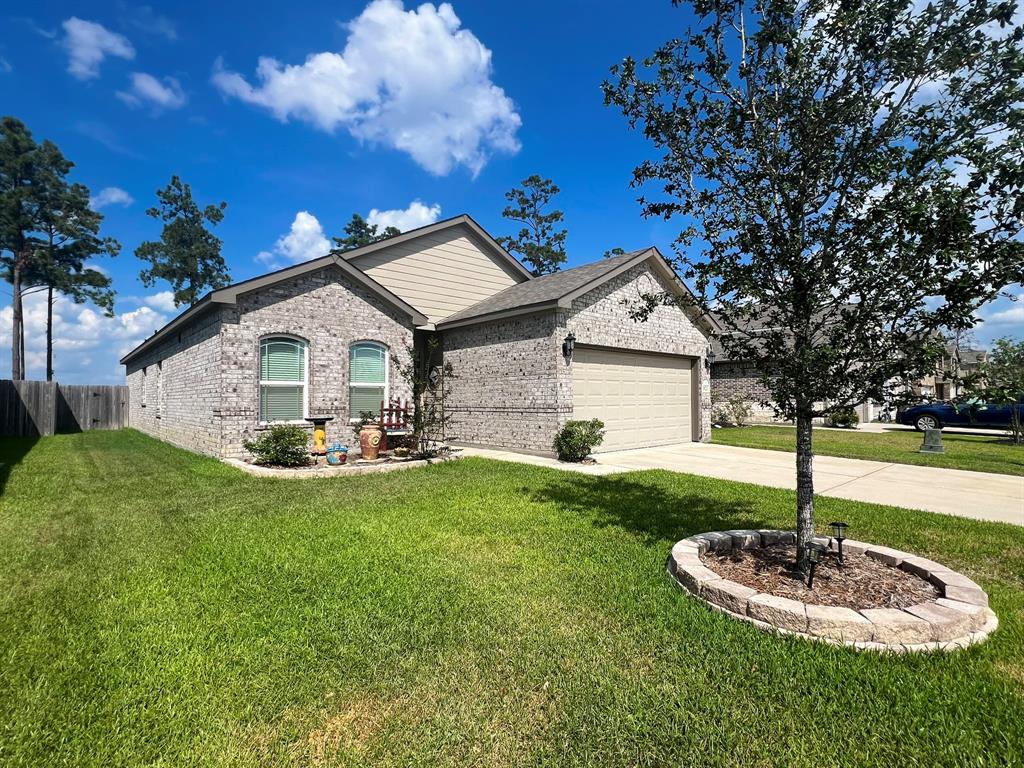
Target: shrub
365, 417
284, 446
576, 439
733, 412
844, 417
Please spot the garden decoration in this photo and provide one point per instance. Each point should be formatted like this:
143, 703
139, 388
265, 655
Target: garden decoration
370, 438
319, 434
881, 599
815, 552
839, 534
932, 442
337, 454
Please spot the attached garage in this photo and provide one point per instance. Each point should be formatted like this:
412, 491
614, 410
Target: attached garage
643, 399
569, 346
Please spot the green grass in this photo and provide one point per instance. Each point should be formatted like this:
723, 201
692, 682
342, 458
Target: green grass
159, 608
980, 453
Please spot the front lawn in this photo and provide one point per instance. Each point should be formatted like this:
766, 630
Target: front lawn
159, 608
980, 453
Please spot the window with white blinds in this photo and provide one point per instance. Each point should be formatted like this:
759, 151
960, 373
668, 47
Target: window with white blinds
282, 379
368, 377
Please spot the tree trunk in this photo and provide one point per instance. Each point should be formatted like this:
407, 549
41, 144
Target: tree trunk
17, 350
804, 484
49, 333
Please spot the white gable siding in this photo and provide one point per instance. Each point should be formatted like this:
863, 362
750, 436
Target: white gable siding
439, 274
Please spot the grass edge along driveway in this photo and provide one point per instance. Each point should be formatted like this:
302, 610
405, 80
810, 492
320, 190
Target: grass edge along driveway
979, 453
159, 607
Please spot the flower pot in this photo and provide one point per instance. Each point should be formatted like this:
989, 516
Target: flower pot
337, 454
370, 438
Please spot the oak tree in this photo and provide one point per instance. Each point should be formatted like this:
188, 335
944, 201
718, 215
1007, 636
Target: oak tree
849, 180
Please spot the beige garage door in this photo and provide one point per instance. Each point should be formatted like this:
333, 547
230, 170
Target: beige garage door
642, 399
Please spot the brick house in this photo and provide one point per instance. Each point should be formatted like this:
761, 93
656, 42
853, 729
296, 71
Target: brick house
732, 377
320, 338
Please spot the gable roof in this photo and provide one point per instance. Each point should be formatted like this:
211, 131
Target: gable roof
478, 233
229, 295
559, 289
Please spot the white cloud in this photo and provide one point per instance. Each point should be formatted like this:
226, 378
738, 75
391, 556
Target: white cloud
305, 240
1005, 311
146, 89
110, 196
1002, 317
416, 215
1013, 315
5, 65
87, 344
88, 43
412, 80
144, 18
161, 302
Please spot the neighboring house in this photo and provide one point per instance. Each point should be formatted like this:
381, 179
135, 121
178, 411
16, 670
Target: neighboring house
731, 378
957, 364
320, 338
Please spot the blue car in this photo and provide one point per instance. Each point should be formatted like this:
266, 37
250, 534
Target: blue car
963, 414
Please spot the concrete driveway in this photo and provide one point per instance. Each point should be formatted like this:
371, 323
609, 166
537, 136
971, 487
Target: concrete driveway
977, 495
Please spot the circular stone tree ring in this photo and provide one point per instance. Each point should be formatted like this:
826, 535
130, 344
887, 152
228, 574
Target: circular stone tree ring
959, 618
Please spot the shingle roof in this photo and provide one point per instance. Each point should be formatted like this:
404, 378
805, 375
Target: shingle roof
542, 291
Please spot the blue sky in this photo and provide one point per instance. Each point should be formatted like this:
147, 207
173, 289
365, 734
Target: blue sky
338, 118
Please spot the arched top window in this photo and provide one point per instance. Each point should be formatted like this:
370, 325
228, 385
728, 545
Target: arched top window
283, 379
367, 377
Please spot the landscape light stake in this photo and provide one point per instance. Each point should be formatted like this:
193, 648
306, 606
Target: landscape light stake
839, 534
814, 552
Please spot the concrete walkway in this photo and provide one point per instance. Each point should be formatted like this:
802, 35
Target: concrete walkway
977, 495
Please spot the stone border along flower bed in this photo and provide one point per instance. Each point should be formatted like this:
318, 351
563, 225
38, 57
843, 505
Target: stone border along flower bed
961, 617
344, 470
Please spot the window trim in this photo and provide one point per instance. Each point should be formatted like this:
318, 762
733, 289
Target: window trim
260, 382
353, 418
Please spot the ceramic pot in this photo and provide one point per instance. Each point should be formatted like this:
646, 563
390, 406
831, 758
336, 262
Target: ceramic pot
370, 438
337, 454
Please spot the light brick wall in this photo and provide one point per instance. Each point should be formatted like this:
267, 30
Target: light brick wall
514, 388
729, 379
210, 377
327, 311
505, 390
181, 378
602, 317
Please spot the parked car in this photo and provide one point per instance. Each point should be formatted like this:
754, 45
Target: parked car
960, 414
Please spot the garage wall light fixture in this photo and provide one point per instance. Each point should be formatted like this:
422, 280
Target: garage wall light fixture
568, 345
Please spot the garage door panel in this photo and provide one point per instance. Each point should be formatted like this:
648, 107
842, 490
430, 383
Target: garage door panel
643, 399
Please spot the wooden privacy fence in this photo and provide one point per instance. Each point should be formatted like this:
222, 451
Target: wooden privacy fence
34, 408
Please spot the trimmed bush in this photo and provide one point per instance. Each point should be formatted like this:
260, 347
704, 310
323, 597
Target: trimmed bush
844, 417
577, 439
285, 445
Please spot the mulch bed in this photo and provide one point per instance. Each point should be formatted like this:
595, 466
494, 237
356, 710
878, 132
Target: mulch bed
861, 582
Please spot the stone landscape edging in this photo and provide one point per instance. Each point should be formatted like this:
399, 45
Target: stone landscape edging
958, 619
344, 470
